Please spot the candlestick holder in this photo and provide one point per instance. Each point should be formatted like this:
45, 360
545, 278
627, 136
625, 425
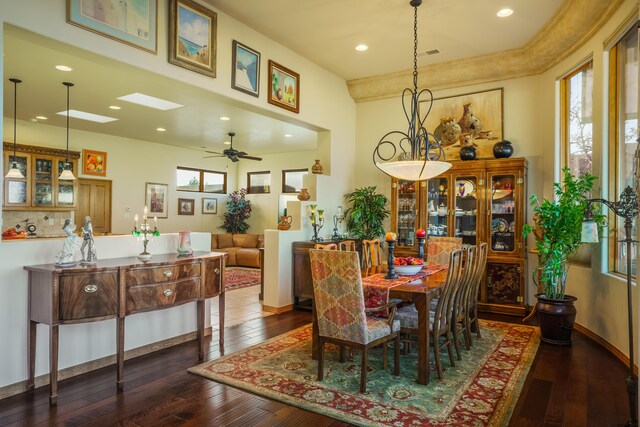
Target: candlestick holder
337, 219
317, 221
391, 271
145, 234
421, 248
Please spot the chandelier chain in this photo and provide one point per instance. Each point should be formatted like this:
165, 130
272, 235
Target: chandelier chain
415, 48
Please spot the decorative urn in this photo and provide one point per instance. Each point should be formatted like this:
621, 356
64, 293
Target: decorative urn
468, 153
317, 168
502, 149
304, 195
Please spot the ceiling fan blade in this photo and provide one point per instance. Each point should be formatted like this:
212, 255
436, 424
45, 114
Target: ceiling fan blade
234, 158
212, 152
241, 153
208, 157
252, 158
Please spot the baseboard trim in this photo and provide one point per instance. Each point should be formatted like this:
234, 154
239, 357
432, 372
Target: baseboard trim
277, 310
72, 371
606, 344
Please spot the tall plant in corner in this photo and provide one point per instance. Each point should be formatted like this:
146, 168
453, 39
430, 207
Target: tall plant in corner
367, 213
238, 211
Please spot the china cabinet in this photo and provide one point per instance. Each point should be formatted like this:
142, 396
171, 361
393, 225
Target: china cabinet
40, 187
478, 201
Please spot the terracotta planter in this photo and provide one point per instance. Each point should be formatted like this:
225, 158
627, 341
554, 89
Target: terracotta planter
556, 319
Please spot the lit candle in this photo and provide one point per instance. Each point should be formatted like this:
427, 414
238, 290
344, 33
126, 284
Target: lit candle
390, 236
155, 221
135, 218
144, 213
339, 211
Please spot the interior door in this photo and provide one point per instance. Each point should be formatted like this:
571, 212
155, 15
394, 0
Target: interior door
94, 200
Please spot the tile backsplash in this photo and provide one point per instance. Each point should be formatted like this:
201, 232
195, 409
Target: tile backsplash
48, 224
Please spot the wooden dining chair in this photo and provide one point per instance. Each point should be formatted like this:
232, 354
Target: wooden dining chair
326, 246
347, 245
371, 253
460, 300
439, 249
440, 317
341, 314
471, 309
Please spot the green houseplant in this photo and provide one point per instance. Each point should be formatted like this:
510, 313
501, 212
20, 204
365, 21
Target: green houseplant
238, 211
557, 228
367, 213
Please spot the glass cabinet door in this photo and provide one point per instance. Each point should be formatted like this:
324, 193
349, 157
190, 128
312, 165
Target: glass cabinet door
16, 190
437, 206
43, 174
407, 214
466, 208
502, 219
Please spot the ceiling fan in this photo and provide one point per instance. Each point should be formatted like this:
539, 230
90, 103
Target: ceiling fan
231, 154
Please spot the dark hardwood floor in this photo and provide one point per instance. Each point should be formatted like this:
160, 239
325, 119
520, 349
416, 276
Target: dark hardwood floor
582, 385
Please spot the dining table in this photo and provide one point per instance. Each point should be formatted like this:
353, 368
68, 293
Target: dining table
419, 290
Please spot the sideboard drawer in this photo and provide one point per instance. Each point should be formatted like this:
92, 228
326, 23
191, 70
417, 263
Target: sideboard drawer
88, 295
153, 296
170, 273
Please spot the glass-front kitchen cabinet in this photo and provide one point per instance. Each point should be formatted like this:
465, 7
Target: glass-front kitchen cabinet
477, 201
41, 187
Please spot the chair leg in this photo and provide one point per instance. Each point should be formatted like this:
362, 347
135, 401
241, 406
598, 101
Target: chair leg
342, 351
450, 350
320, 359
436, 355
466, 332
385, 358
396, 356
454, 325
363, 372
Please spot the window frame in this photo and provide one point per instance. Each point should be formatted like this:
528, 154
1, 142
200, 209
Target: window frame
284, 179
249, 174
201, 181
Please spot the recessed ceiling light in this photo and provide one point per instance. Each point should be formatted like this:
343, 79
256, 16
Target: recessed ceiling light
82, 115
503, 13
150, 101
41, 118
115, 107
160, 129
225, 118
287, 135
63, 68
362, 47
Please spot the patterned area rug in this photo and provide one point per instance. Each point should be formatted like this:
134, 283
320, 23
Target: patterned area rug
479, 391
239, 277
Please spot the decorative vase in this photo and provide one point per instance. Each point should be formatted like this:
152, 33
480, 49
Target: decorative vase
285, 222
317, 168
468, 153
184, 243
556, 318
502, 149
304, 195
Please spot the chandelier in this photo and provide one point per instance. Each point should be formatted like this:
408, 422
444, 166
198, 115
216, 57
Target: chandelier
413, 155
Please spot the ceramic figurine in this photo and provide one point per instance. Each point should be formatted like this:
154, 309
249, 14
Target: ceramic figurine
87, 233
469, 123
64, 258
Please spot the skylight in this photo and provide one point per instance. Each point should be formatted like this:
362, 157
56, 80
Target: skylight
82, 115
150, 101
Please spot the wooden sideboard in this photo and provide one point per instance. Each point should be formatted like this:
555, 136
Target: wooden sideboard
113, 289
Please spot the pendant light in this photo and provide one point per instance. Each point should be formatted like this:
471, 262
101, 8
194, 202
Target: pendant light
419, 150
14, 172
67, 173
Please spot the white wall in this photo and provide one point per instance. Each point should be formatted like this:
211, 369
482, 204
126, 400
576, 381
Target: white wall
324, 104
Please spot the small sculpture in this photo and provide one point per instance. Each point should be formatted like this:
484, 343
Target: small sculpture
87, 233
469, 123
64, 258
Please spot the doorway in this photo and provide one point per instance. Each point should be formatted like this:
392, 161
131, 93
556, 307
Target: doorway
94, 200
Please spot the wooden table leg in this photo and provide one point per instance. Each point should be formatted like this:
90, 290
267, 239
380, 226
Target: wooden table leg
315, 333
221, 320
120, 352
31, 354
422, 304
53, 365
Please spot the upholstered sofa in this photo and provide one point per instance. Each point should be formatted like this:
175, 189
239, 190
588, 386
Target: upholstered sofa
242, 249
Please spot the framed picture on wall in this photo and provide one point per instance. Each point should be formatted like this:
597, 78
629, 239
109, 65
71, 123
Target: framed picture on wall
133, 23
209, 206
156, 197
94, 163
185, 206
245, 69
192, 36
284, 87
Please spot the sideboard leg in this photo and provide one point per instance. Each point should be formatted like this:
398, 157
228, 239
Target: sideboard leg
221, 321
200, 321
120, 352
31, 351
53, 365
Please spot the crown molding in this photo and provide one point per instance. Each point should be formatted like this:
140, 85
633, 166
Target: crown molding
575, 23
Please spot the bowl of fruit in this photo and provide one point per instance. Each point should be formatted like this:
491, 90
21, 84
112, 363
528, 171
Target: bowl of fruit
12, 234
407, 266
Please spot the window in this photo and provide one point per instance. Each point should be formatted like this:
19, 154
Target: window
577, 120
259, 182
203, 181
623, 132
292, 180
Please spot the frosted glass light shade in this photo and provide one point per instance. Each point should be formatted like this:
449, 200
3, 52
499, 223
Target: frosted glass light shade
412, 170
67, 175
589, 232
14, 172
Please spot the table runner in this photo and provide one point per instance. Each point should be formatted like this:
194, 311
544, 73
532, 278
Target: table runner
376, 287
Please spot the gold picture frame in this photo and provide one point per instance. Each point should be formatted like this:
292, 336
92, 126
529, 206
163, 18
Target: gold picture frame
284, 87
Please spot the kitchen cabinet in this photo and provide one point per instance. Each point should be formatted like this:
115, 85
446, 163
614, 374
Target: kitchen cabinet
478, 201
41, 187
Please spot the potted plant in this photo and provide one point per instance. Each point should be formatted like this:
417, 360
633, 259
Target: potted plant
238, 211
557, 229
367, 213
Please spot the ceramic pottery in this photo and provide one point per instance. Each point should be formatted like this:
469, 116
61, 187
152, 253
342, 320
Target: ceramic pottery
502, 149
